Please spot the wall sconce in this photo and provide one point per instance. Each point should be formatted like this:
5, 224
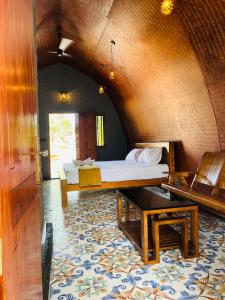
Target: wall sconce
167, 7
101, 89
64, 97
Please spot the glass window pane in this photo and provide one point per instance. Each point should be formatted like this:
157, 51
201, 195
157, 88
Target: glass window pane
100, 130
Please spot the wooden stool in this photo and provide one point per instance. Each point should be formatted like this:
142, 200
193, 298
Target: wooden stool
153, 231
160, 241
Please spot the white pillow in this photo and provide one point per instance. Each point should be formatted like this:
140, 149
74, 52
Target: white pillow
150, 156
134, 154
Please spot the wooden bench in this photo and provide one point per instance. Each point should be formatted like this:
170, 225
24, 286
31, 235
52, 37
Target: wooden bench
208, 184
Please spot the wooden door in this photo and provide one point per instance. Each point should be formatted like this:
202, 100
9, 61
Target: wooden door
20, 258
87, 135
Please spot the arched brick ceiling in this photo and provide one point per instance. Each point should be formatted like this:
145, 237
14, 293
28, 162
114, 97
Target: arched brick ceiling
170, 81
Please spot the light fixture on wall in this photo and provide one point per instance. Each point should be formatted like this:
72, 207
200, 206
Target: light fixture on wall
101, 89
64, 97
112, 74
167, 7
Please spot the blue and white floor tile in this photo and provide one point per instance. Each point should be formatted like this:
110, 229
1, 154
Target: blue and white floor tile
92, 259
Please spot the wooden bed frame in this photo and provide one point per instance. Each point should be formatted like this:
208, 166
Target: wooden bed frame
167, 158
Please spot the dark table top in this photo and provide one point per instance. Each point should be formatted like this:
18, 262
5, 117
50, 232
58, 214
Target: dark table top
147, 200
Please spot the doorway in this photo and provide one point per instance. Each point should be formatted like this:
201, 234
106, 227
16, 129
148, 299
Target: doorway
62, 141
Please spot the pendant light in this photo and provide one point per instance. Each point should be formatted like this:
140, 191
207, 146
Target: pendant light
101, 88
112, 74
167, 7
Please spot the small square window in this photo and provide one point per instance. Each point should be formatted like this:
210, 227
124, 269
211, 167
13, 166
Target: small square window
100, 131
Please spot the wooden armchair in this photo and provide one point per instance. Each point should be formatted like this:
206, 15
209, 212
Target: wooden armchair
219, 189
208, 184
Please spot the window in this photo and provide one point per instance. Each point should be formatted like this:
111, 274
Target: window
100, 130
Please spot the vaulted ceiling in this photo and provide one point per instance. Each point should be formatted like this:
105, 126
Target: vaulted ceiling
170, 70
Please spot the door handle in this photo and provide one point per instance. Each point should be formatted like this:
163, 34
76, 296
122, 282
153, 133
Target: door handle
44, 153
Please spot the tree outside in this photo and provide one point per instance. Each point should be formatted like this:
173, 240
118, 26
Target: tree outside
62, 141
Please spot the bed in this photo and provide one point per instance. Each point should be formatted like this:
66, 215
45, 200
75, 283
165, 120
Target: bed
120, 174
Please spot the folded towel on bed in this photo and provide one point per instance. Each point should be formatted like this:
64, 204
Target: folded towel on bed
93, 166
89, 175
87, 161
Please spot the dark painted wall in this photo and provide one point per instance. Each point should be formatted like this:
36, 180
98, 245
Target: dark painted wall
85, 97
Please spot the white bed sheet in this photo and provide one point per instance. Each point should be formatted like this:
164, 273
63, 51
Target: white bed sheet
119, 170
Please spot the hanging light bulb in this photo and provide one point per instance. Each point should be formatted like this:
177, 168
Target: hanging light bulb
167, 7
112, 74
101, 89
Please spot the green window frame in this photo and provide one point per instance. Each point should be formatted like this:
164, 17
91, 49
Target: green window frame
100, 131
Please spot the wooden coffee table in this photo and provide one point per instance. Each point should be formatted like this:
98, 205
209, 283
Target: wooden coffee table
153, 232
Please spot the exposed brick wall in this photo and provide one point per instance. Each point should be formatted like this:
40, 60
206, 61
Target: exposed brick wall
217, 94
204, 24
170, 99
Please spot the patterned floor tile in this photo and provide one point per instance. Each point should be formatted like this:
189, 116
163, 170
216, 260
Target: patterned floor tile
92, 259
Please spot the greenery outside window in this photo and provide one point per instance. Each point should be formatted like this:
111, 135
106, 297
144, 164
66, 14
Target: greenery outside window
100, 131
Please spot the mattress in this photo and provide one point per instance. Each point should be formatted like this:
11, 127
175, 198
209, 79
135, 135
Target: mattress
119, 170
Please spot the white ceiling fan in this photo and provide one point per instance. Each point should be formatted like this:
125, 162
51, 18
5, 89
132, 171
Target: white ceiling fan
63, 45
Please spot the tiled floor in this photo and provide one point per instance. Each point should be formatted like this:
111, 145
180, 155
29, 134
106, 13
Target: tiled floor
92, 259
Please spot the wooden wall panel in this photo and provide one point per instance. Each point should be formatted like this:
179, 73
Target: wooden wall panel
6, 273
217, 94
20, 275
21, 100
21, 197
204, 26
170, 69
87, 135
26, 255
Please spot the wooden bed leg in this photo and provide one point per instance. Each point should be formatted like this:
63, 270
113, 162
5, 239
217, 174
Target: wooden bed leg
194, 231
63, 184
127, 211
